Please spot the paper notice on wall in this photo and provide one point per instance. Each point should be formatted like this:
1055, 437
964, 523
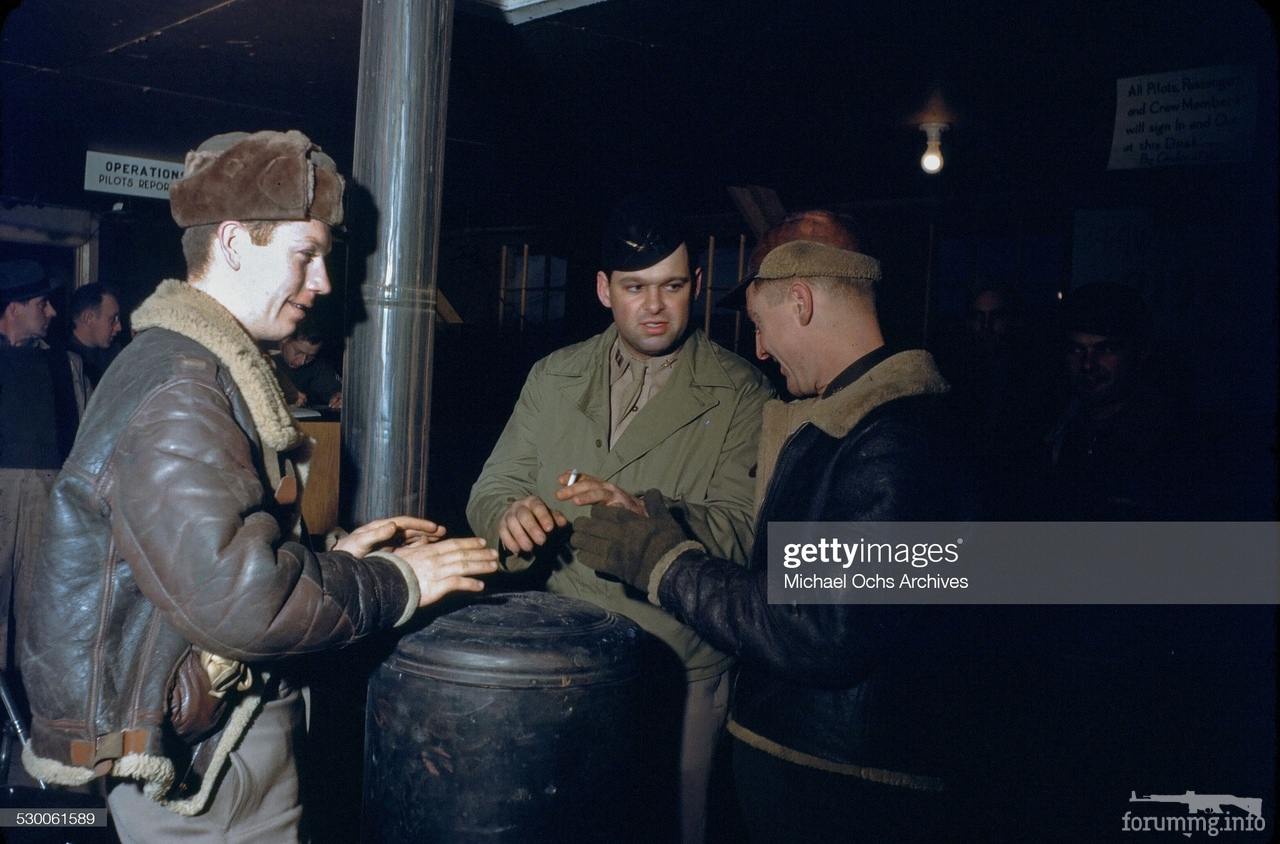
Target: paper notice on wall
126, 174
1195, 116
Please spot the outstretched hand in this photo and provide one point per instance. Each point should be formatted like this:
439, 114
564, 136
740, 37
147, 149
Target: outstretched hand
397, 531
441, 565
449, 566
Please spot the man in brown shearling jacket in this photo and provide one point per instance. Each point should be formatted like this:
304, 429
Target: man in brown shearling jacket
168, 586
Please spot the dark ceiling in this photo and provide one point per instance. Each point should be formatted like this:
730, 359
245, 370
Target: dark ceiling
551, 118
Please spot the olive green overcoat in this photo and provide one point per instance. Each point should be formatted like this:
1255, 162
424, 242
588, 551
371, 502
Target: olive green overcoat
695, 440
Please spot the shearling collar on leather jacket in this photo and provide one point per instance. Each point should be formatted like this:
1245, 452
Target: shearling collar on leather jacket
839, 688
163, 537
909, 373
185, 310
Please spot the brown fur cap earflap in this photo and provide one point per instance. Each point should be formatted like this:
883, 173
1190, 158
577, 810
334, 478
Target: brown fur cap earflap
258, 176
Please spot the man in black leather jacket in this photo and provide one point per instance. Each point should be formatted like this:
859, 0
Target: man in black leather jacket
841, 713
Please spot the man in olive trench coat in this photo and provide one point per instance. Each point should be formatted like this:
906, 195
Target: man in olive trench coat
647, 404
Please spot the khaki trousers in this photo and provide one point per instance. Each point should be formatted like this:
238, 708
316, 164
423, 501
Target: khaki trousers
706, 709
24, 501
257, 800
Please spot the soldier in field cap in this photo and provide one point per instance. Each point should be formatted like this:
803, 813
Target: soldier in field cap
649, 403
840, 714
172, 579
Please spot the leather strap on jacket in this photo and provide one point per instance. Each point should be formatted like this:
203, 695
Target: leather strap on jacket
286, 489
107, 748
284, 484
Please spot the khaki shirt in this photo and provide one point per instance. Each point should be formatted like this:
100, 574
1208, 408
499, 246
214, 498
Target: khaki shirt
632, 382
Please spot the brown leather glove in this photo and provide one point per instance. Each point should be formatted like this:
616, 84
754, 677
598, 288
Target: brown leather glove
198, 696
616, 541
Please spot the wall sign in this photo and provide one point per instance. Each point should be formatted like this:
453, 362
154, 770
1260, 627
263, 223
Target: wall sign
110, 173
1195, 116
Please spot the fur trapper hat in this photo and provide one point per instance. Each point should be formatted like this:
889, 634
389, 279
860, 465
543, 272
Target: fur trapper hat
258, 176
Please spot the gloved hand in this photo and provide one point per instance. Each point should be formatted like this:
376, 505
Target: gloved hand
618, 542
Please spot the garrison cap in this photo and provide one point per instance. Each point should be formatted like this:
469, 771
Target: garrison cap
641, 232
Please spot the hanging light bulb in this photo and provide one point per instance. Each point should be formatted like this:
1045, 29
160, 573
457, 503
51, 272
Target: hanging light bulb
931, 161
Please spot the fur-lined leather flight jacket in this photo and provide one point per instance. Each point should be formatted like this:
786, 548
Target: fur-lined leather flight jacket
165, 535
860, 690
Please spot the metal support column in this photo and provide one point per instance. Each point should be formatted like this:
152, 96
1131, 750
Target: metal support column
399, 154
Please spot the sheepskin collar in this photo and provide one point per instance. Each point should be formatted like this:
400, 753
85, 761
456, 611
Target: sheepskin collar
910, 373
182, 309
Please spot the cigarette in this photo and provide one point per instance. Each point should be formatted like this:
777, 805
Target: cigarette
573, 477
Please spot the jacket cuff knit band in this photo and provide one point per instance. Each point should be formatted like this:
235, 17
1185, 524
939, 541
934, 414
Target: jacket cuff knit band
410, 580
665, 562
